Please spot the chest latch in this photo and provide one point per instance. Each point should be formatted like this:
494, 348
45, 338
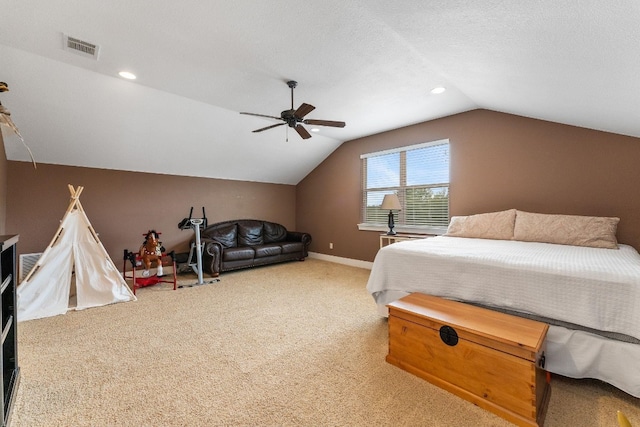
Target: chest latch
448, 335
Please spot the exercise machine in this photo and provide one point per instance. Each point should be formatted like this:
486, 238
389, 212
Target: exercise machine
197, 224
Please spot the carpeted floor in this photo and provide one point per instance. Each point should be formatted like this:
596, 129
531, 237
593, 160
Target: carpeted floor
296, 344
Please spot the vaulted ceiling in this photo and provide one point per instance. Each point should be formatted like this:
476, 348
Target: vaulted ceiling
370, 63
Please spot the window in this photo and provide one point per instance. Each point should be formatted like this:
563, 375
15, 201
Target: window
419, 175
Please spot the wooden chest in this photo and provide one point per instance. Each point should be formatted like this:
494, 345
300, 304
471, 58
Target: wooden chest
491, 359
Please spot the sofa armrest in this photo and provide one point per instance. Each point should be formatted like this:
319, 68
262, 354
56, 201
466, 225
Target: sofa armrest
212, 257
296, 236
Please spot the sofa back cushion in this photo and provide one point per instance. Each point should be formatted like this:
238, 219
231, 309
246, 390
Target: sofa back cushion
250, 233
274, 232
225, 234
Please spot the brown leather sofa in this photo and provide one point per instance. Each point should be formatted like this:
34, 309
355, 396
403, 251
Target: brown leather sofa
243, 243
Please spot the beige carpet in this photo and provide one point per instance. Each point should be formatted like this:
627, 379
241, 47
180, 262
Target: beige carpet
297, 344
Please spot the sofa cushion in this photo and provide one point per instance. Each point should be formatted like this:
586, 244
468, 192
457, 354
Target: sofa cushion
238, 253
225, 235
267, 250
250, 233
291, 247
274, 232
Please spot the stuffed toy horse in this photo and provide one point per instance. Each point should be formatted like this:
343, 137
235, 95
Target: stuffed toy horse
151, 251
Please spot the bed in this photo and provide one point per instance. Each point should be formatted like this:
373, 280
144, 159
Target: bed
589, 293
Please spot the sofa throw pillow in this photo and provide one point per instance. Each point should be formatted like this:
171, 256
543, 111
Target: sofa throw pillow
250, 233
225, 235
575, 230
274, 232
492, 225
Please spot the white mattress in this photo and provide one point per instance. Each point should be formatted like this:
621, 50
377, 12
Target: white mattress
591, 287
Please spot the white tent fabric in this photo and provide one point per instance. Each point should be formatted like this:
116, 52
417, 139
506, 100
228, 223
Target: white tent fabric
75, 248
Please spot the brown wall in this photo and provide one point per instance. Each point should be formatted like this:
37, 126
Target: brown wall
498, 161
123, 205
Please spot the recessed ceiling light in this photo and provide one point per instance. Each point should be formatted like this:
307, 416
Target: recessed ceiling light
438, 90
315, 130
127, 75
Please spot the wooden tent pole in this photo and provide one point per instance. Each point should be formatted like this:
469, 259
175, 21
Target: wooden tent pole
91, 229
72, 203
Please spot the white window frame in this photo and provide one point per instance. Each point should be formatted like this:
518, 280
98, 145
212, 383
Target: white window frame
399, 227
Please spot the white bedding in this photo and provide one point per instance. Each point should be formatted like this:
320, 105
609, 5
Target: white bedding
592, 287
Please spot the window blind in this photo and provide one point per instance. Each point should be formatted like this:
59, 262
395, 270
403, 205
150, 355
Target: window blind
418, 174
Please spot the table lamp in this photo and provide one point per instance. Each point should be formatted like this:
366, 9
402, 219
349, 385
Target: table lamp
391, 202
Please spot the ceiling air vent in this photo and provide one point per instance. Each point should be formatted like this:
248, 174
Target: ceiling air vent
81, 47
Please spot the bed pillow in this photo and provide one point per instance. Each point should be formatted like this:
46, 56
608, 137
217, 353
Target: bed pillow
576, 230
492, 225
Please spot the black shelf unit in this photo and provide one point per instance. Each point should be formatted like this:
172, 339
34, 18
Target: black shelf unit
9, 348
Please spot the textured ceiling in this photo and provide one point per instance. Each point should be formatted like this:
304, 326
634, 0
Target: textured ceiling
370, 63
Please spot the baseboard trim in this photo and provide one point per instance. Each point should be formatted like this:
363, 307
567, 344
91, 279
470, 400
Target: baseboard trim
340, 260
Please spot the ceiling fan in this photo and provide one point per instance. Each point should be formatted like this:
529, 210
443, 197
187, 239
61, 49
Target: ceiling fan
293, 118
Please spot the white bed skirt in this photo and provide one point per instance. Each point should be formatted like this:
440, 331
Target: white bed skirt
580, 354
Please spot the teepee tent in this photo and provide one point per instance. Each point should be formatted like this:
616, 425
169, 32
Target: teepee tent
74, 248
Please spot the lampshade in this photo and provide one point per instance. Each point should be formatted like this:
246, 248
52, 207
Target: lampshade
390, 202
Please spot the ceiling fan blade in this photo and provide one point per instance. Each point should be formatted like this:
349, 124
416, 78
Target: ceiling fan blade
303, 132
324, 123
303, 110
262, 115
268, 127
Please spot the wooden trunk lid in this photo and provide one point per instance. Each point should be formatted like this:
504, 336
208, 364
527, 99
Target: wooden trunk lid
510, 334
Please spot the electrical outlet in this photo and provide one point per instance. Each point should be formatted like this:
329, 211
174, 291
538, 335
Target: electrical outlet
330, 245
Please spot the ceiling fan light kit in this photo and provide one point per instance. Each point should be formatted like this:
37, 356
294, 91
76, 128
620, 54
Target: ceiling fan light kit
294, 118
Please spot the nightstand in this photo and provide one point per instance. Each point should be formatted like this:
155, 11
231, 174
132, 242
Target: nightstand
387, 239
